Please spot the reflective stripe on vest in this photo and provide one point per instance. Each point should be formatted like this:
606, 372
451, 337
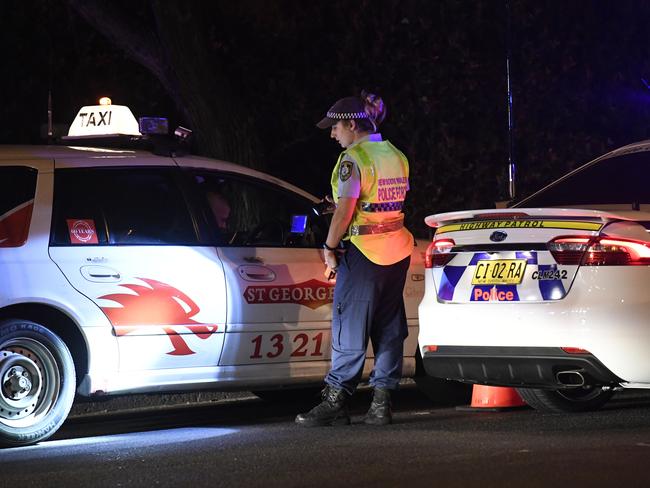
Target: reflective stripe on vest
382, 207
374, 229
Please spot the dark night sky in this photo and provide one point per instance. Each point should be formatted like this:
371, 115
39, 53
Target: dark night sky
440, 65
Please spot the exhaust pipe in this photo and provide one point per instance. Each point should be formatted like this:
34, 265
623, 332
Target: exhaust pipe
570, 378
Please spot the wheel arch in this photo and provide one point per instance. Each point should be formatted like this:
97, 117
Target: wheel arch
58, 322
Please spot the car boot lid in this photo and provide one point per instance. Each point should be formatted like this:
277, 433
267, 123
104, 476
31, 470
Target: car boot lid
539, 215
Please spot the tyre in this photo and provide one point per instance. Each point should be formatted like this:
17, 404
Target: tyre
583, 399
37, 382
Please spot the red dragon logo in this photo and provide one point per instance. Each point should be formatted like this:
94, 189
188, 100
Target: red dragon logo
14, 225
159, 305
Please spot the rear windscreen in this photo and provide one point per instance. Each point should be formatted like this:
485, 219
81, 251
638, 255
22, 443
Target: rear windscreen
623, 179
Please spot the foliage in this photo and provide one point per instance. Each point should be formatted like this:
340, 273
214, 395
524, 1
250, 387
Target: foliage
256, 75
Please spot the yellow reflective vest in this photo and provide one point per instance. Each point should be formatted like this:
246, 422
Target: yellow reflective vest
384, 183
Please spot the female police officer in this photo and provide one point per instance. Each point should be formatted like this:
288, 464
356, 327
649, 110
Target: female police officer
369, 184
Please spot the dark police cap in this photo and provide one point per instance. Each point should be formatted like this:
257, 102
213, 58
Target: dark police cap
344, 109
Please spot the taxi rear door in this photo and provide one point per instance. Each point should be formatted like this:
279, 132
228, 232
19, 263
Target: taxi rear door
124, 237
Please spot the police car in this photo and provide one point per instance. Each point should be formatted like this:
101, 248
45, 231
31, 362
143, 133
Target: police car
550, 296
124, 271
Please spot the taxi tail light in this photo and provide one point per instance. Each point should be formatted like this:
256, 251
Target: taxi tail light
600, 251
439, 253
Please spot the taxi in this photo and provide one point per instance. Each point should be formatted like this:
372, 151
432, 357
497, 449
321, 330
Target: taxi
131, 271
549, 296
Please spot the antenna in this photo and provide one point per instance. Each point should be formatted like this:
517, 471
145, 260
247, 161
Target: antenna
50, 64
50, 128
511, 128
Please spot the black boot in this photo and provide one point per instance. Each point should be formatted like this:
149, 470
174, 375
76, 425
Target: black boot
379, 412
333, 410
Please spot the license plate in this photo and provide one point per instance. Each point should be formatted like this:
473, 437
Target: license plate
499, 272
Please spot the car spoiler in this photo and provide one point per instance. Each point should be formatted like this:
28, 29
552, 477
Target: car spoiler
438, 220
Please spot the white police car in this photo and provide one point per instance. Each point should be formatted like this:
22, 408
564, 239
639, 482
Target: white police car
123, 271
551, 296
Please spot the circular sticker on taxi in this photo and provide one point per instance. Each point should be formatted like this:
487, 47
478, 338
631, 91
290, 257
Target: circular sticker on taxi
82, 231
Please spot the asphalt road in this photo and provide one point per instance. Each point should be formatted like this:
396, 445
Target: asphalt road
249, 442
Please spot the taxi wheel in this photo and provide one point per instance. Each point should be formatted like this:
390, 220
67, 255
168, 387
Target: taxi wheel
37, 382
583, 399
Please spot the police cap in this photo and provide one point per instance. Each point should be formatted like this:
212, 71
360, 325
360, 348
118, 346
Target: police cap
344, 109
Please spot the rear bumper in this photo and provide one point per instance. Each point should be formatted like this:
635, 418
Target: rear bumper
532, 367
605, 313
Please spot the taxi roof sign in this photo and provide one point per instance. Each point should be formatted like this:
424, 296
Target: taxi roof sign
104, 120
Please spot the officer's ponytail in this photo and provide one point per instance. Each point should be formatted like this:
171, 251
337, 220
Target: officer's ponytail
376, 110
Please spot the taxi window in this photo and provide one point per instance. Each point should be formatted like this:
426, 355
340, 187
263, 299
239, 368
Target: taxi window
17, 186
17, 190
246, 212
125, 206
617, 180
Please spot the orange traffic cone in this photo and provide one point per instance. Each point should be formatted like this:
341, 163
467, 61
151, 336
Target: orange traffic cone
493, 399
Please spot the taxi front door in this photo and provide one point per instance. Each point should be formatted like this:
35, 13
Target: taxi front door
269, 240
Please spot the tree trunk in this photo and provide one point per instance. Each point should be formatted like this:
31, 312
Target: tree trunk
173, 51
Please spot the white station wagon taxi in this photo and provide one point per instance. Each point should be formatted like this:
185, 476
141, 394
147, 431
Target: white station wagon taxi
550, 296
124, 271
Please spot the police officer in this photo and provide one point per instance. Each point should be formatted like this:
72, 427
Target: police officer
369, 184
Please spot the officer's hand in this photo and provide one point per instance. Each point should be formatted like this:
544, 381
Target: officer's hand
331, 259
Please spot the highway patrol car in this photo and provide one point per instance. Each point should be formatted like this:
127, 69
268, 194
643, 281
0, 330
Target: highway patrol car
125, 271
550, 296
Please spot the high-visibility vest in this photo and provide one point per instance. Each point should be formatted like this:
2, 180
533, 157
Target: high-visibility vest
375, 228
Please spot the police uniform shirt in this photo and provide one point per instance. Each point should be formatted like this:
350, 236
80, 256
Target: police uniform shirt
349, 174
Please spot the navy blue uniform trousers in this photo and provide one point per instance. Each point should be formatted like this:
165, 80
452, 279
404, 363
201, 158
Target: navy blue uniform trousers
368, 305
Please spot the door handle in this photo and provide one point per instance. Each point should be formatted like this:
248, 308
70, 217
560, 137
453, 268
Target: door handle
100, 274
256, 273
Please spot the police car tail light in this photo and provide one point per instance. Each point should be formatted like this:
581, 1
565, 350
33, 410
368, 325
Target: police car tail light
439, 253
604, 251
599, 251
569, 249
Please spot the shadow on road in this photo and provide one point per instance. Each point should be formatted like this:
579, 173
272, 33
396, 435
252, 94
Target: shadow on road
251, 411
232, 412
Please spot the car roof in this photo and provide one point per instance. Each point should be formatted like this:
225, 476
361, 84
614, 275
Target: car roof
89, 157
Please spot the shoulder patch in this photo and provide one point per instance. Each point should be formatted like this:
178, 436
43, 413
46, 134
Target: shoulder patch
345, 170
